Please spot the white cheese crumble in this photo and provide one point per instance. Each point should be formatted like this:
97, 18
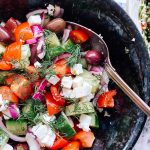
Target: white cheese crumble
36, 19
53, 79
85, 122
77, 82
77, 69
37, 64
7, 147
50, 9
67, 82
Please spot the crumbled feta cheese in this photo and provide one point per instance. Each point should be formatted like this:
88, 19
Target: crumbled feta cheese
36, 19
40, 131
82, 91
66, 82
44, 134
77, 82
87, 98
7, 147
37, 65
85, 122
46, 118
77, 69
52, 79
25, 51
66, 92
50, 9
49, 139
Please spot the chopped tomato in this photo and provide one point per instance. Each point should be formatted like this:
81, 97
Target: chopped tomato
56, 95
59, 143
72, 146
106, 99
7, 94
5, 65
23, 32
61, 68
52, 107
33, 73
20, 85
79, 36
86, 138
11, 24
13, 52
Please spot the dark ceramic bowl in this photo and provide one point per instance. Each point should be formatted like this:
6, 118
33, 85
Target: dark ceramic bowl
128, 55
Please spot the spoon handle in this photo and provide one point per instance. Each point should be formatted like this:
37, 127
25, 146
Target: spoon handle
126, 89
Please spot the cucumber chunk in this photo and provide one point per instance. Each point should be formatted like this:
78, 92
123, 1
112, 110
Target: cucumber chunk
17, 127
64, 127
94, 121
3, 138
79, 108
68, 44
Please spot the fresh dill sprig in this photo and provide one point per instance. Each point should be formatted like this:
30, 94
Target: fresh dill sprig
75, 52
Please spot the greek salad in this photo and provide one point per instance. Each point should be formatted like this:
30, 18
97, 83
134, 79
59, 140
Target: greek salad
51, 84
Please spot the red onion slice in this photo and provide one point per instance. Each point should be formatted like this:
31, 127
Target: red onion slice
61, 13
43, 85
39, 11
32, 41
4, 34
38, 96
57, 11
37, 30
96, 70
14, 111
32, 142
12, 136
66, 35
33, 54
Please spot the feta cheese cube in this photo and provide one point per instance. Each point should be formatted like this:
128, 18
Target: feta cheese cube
77, 82
66, 92
85, 122
53, 79
46, 118
7, 147
50, 9
37, 65
66, 82
77, 69
40, 131
36, 19
87, 98
82, 91
49, 139
25, 51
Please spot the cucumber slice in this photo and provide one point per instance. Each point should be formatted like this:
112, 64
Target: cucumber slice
17, 127
3, 138
79, 108
28, 109
64, 127
94, 121
68, 44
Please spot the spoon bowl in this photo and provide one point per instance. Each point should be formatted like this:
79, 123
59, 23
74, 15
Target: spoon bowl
99, 44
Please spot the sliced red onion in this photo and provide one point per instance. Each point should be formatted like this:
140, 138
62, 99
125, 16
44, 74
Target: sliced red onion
42, 15
61, 13
66, 35
32, 142
33, 54
42, 54
38, 96
93, 57
42, 85
62, 56
14, 111
39, 11
11, 136
57, 11
37, 30
32, 41
4, 34
40, 44
104, 79
97, 70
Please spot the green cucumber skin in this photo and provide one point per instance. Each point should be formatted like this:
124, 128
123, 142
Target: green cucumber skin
17, 127
94, 121
3, 138
64, 127
68, 44
79, 108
